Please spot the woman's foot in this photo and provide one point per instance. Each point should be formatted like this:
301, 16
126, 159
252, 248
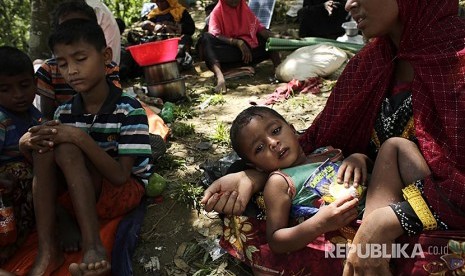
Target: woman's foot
46, 262
220, 85
93, 263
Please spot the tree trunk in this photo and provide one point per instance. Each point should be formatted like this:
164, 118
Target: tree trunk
41, 12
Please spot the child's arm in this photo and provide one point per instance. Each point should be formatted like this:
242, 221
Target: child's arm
355, 167
115, 171
282, 238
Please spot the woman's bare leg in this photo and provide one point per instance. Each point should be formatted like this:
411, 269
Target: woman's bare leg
399, 163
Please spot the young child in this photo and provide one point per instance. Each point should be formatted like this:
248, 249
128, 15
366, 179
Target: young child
17, 115
100, 145
262, 137
52, 88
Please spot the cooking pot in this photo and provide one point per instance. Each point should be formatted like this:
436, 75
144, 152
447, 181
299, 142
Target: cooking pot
161, 72
170, 90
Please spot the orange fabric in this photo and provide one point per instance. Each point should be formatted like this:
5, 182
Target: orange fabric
113, 201
156, 123
23, 260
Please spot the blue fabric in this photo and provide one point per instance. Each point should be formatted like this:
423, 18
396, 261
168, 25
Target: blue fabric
126, 239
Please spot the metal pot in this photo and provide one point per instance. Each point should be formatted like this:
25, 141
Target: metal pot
161, 72
171, 90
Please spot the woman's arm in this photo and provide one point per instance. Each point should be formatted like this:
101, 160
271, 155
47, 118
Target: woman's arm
231, 193
187, 24
380, 227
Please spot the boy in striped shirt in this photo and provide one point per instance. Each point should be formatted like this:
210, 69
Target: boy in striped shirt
100, 143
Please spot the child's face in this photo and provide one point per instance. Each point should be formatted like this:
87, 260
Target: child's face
17, 92
82, 66
270, 143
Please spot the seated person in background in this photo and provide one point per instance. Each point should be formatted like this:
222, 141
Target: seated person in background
52, 88
17, 115
235, 38
322, 18
100, 143
109, 25
170, 19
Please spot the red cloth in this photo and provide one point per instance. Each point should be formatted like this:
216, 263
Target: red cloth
283, 92
239, 22
433, 43
24, 258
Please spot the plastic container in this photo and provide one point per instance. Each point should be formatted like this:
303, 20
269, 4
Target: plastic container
155, 52
8, 232
350, 28
167, 112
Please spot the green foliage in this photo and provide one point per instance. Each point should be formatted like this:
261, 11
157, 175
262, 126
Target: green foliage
127, 10
14, 23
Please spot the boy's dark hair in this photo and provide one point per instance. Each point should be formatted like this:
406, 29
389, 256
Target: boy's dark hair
14, 62
75, 30
244, 119
73, 6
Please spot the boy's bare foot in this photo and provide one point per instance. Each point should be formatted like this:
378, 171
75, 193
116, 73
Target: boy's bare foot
69, 234
47, 262
93, 263
5, 273
97, 269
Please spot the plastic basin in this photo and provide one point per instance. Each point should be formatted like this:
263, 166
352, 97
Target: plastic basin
155, 52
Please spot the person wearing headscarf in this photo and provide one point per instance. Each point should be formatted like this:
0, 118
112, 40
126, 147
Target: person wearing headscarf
406, 82
169, 18
235, 38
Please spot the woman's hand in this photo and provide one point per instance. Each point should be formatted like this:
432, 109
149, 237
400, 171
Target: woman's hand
380, 227
246, 53
353, 168
231, 193
330, 6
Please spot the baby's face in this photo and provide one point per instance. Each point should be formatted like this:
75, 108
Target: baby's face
17, 92
270, 143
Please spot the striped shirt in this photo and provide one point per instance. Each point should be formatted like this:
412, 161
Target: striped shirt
11, 129
119, 128
51, 84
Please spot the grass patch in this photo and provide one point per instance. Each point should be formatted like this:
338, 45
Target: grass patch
187, 193
183, 112
216, 99
180, 129
168, 162
221, 135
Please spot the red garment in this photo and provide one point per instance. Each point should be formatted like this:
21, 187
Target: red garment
433, 42
239, 22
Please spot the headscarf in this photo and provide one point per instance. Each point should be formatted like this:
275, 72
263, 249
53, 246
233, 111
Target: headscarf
239, 22
433, 42
175, 9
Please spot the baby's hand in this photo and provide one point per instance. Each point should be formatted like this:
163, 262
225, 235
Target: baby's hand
339, 213
353, 168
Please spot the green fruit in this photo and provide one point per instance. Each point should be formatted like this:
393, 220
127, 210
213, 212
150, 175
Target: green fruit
156, 185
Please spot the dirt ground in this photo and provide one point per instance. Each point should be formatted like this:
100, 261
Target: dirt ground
177, 236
